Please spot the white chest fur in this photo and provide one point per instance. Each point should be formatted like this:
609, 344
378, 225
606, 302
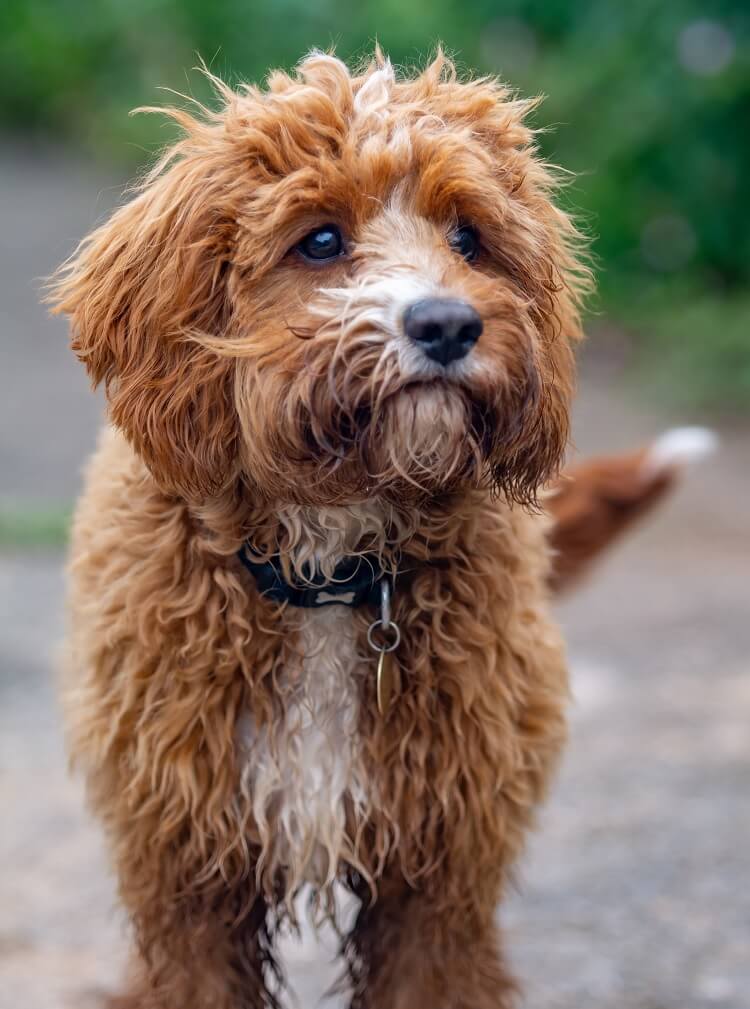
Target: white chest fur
304, 773
300, 774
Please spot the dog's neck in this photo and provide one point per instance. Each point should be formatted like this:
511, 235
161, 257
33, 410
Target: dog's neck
318, 538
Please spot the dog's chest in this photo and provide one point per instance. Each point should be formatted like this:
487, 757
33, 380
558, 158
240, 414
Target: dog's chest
304, 770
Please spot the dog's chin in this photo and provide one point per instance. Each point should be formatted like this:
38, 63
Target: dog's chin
431, 415
424, 441
421, 440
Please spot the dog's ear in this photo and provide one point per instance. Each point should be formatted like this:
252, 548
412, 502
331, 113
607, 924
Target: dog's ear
140, 290
533, 435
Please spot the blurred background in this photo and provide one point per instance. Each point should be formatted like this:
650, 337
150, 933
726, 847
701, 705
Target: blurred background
635, 893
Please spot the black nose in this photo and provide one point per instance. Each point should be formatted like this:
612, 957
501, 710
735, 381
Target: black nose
445, 328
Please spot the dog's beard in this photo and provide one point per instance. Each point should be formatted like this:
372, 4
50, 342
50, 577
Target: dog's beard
418, 441
425, 439
330, 438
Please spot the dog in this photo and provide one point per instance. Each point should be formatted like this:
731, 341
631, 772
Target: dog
309, 637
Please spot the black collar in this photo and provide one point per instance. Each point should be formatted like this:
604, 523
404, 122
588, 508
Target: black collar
355, 582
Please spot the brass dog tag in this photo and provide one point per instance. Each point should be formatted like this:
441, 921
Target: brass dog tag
386, 681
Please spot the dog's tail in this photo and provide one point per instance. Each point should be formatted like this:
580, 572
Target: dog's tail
594, 502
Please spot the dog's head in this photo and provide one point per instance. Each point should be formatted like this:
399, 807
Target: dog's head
337, 287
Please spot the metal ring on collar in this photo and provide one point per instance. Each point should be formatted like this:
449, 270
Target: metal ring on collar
393, 627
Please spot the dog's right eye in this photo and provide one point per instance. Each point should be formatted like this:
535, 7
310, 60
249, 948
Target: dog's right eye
322, 244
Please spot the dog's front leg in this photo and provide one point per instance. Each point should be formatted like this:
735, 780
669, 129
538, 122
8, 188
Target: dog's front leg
408, 950
203, 954
202, 928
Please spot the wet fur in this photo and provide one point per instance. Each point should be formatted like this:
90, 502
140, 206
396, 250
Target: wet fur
254, 396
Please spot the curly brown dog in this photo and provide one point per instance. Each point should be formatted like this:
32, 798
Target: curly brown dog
335, 329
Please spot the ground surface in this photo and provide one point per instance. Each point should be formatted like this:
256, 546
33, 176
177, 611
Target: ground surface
634, 893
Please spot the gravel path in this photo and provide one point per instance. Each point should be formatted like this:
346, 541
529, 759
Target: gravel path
634, 893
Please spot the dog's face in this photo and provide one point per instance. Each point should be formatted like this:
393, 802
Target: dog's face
338, 287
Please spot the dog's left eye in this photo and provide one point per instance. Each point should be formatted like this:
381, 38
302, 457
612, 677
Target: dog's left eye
465, 241
323, 243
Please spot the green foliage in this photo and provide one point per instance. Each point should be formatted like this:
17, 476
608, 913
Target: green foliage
46, 526
649, 100
692, 347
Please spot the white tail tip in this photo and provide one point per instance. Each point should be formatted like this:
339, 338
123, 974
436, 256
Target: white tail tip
681, 446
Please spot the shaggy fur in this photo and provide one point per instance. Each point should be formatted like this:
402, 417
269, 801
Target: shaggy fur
233, 748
